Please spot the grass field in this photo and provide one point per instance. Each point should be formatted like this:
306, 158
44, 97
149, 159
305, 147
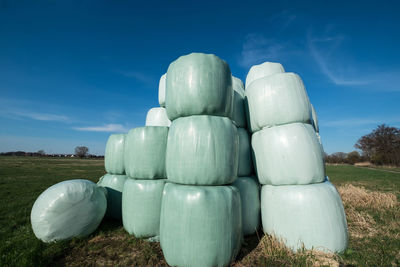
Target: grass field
371, 199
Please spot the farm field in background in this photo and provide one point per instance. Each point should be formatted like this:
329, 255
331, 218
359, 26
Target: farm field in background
370, 196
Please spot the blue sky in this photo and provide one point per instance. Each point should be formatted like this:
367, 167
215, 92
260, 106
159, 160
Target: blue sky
73, 72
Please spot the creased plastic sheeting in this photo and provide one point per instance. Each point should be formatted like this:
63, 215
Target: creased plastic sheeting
263, 70
238, 108
161, 90
198, 84
288, 154
245, 166
114, 156
200, 225
68, 209
114, 185
310, 214
145, 150
314, 119
157, 117
250, 199
277, 99
202, 150
141, 206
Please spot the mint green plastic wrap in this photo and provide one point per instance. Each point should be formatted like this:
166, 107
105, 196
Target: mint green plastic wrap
145, 149
277, 99
114, 156
263, 70
250, 199
314, 119
288, 154
141, 205
202, 150
68, 209
238, 108
157, 117
198, 84
200, 225
161, 90
245, 166
114, 184
310, 214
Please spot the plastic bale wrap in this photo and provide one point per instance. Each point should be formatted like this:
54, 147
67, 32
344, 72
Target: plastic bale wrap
114, 156
276, 100
314, 119
141, 206
312, 215
238, 109
145, 150
245, 166
200, 225
114, 184
263, 70
250, 198
198, 84
157, 117
68, 209
202, 150
288, 154
161, 90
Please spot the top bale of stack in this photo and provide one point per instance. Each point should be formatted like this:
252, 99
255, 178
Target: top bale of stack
263, 70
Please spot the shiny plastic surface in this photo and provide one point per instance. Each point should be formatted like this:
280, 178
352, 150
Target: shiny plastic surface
250, 199
68, 209
141, 206
145, 149
310, 214
157, 117
245, 166
277, 99
288, 154
198, 84
161, 90
114, 185
202, 150
314, 119
263, 70
238, 108
114, 156
200, 225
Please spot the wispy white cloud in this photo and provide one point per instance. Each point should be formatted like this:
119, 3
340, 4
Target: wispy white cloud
141, 77
103, 128
283, 19
35, 115
357, 122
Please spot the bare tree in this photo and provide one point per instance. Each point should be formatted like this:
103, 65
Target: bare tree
41, 152
81, 151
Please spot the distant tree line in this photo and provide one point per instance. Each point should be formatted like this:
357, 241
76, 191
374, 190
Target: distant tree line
80, 151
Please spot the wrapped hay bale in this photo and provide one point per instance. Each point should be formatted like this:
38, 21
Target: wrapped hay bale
161, 90
314, 119
263, 70
238, 109
114, 156
114, 184
68, 209
157, 117
245, 166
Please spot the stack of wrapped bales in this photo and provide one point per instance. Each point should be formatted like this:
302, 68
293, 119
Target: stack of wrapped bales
201, 212
298, 204
115, 178
246, 183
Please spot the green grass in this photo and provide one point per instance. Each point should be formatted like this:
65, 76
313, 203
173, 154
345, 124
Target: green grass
22, 179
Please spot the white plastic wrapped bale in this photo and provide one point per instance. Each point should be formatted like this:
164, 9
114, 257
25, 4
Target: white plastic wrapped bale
245, 166
200, 225
161, 90
263, 70
312, 215
202, 150
314, 119
145, 149
114, 184
198, 84
68, 209
114, 156
157, 117
288, 154
238, 108
277, 99
250, 199
141, 206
